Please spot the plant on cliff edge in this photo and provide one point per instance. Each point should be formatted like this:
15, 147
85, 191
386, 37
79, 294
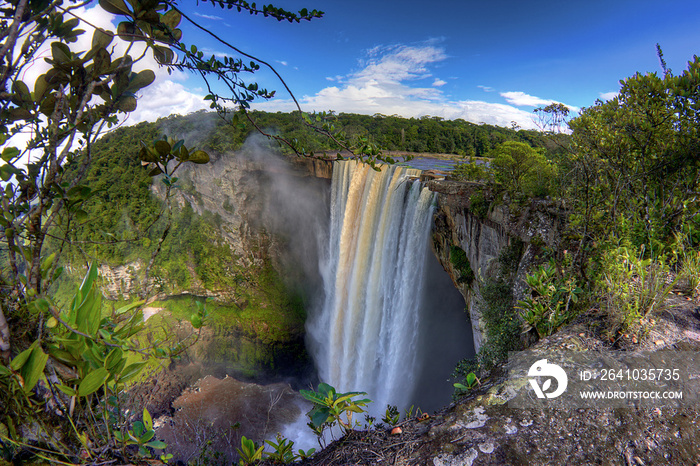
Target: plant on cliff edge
331, 408
551, 303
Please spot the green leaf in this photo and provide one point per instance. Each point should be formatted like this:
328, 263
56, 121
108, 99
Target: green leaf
150, 433
81, 215
22, 358
117, 7
196, 321
67, 390
60, 52
163, 148
172, 18
34, 367
131, 371
113, 359
127, 31
318, 418
89, 279
199, 156
8, 153
93, 381
128, 307
140, 80
163, 55
48, 262
147, 420
101, 38
157, 444
126, 103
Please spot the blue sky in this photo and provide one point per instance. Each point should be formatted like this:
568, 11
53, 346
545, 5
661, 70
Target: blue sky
484, 61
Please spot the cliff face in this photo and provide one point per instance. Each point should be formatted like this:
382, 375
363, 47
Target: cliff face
266, 206
465, 221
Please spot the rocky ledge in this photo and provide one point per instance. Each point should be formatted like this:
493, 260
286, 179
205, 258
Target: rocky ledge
481, 429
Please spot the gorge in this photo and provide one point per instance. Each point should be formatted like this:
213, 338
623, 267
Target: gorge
269, 213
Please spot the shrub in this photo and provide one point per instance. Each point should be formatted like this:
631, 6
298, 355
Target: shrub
473, 170
633, 287
501, 319
479, 205
522, 169
551, 303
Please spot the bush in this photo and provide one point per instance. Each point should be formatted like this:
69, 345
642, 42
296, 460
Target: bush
633, 288
503, 324
473, 170
479, 205
551, 303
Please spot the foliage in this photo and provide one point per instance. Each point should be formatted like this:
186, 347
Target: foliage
329, 407
633, 165
141, 434
282, 451
472, 170
391, 415
471, 381
501, 320
689, 274
552, 301
99, 357
522, 169
460, 261
249, 452
634, 288
479, 205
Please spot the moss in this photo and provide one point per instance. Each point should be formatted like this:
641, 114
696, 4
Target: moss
479, 205
460, 261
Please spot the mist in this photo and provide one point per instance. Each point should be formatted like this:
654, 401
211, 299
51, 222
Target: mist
296, 212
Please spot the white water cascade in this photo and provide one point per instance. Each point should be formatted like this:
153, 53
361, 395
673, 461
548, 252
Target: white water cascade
366, 337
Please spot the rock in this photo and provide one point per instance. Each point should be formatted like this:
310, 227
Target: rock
483, 236
223, 410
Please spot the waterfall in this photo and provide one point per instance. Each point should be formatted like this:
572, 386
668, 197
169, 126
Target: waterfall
366, 336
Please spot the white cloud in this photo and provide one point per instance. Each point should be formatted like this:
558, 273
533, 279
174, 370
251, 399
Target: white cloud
439, 82
282, 62
165, 98
386, 84
608, 95
522, 99
486, 88
212, 17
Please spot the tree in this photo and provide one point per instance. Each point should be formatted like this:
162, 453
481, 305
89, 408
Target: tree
552, 118
521, 168
81, 94
634, 166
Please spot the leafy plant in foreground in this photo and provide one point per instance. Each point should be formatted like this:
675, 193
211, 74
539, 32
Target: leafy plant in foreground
330, 408
551, 303
250, 452
471, 381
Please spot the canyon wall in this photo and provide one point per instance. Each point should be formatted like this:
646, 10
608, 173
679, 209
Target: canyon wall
482, 229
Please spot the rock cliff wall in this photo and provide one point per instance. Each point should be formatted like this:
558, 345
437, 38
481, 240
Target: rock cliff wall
465, 220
